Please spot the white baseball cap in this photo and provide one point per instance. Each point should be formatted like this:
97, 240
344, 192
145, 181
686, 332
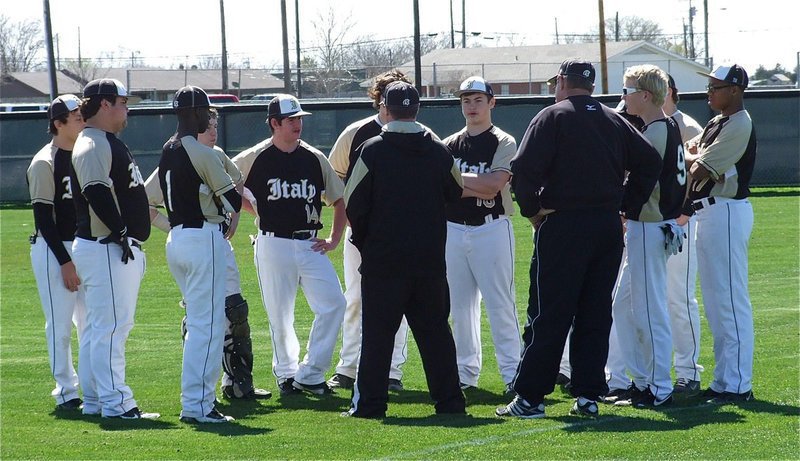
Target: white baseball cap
284, 106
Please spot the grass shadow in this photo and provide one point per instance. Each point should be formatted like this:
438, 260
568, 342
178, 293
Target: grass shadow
337, 402
443, 420
228, 429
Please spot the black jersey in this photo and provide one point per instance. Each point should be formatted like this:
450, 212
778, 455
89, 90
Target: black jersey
289, 188
101, 158
727, 150
489, 151
192, 176
667, 198
49, 183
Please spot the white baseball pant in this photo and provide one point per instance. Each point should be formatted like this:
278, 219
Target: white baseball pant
282, 264
351, 327
62, 309
650, 338
112, 289
480, 263
197, 261
723, 233
620, 348
684, 314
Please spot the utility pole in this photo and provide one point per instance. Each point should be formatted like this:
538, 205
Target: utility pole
705, 29
692, 11
417, 50
463, 23
51, 59
224, 48
603, 69
616, 27
297, 40
452, 30
287, 75
556, 20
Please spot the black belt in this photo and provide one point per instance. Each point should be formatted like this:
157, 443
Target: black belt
475, 221
699, 205
292, 235
133, 243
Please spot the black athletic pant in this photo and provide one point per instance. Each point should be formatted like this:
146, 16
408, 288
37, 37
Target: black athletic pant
426, 304
573, 270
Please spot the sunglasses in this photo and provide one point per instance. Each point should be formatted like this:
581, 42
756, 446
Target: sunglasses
626, 90
712, 88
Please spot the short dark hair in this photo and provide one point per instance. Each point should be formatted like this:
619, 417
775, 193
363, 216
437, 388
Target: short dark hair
63, 119
278, 119
577, 82
91, 105
403, 112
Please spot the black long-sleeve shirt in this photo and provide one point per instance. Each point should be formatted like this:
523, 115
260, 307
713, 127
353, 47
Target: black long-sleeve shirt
396, 199
575, 155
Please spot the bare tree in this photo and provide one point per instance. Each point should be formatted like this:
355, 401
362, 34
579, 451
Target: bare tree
20, 43
209, 61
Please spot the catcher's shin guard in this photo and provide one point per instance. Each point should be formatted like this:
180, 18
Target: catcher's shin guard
237, 356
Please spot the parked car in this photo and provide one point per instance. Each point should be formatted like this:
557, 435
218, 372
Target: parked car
262, 98
223, 98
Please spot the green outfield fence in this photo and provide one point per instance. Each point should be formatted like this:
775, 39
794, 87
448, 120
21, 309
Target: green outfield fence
776, 114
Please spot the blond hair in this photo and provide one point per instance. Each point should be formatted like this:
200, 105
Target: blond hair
650, 78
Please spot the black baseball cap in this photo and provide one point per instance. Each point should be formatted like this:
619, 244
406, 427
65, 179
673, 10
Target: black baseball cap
474, 85
284, 106
576, 68
63, 105
108, 87
400, 94
189, 97
733, 74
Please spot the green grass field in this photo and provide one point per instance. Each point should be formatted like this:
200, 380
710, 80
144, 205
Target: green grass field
300, 427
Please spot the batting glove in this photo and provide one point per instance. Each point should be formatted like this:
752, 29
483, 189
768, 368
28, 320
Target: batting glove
673, 238
120, 239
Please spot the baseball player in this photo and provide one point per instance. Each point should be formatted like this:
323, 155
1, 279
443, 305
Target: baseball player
237, 352
112, 222
640, 307
480, 238
344, 155
287, 181
722, 161
198, 192
60, 289
684, 314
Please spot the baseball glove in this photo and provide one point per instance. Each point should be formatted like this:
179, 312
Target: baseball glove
673, 238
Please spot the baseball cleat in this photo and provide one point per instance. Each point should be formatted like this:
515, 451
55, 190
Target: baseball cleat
286, 387
686, 387
70, 405
316, 389
395, 385
213, 416
628, 397
731, 397
135, 413
254, 394
520, 408
467, 387
340, 381
584, 407
510, 389
614, 395
562, 380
